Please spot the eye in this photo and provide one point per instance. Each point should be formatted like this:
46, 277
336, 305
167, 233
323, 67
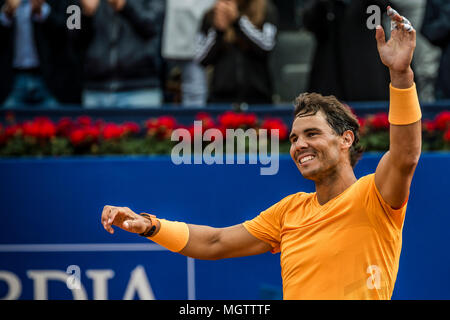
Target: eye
293, 139
311, 134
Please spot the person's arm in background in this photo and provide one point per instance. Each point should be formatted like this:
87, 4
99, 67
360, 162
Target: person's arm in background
146, 20
259, 41
210, 38
436, 24
7, 12
50, 17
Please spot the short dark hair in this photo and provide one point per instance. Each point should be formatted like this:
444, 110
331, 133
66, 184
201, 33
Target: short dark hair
339, 116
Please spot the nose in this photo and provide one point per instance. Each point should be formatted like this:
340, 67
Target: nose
300, 144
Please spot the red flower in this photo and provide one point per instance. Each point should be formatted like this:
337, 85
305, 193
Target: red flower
447, 136
99, 123
161, 127
276, 124
84, 121
40, 127
131, 128
64, 126
13, 130
249, 119
362, 124
429, 125
191, 132
167, 123
31, 128
47, 129
202, 115
92, 133
2, 135
77, 136
207, 120
379, 121
112, 131
230, 120
442, 120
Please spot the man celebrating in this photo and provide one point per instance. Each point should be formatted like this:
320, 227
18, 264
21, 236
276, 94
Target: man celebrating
344, 240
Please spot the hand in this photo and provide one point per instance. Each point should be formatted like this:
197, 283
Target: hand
231, 10
123, 218
10, 6
36, 6
225, 13
89, 7
117, 5
220, 21
397, 53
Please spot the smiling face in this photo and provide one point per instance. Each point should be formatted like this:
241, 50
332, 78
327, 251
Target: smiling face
316, 148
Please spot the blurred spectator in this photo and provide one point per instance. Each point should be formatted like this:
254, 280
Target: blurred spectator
426, 56
122, 61
36, 64
436, 28
236, 39
181, 24
346, 61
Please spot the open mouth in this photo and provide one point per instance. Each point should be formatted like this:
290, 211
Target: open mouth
305, 159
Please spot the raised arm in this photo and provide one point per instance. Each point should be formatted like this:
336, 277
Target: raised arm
199, 242
395, 171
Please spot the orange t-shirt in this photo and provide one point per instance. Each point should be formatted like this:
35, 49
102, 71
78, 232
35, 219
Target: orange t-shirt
348, 248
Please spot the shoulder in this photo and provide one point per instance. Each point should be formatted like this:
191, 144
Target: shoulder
295, 197
366, 181
293, 200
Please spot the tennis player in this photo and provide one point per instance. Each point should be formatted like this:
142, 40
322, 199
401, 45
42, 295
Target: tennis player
344, 240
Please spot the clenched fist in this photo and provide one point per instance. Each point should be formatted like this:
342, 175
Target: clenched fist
125, 219
36, 6
117, 5
89, 6
10, 6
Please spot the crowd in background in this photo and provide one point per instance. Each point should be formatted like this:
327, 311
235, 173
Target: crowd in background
146, 53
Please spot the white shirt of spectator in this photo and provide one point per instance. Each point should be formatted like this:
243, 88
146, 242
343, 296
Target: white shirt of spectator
181, 23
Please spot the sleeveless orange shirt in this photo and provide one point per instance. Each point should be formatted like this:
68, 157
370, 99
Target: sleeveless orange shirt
348, 248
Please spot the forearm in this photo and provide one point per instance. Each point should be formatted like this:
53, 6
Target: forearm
261, 42
405, 145
209, 243
405, 138
203, 243
199, 242
210, 45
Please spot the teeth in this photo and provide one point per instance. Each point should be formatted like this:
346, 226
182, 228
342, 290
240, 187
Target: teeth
303, 160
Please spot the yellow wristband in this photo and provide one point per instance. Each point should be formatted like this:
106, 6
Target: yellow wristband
404, 107
172, 235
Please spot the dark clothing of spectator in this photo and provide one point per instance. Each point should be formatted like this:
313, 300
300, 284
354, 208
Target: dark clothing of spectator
241, 68
123, 48
436, 28
45, 55
346, 62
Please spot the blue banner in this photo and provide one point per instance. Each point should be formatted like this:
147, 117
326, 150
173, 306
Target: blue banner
51, 235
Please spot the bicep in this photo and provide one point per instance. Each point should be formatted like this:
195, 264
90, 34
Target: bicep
219, 243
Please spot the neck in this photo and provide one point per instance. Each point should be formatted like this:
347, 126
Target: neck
334, 184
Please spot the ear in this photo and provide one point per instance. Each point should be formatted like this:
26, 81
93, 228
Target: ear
347, 139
